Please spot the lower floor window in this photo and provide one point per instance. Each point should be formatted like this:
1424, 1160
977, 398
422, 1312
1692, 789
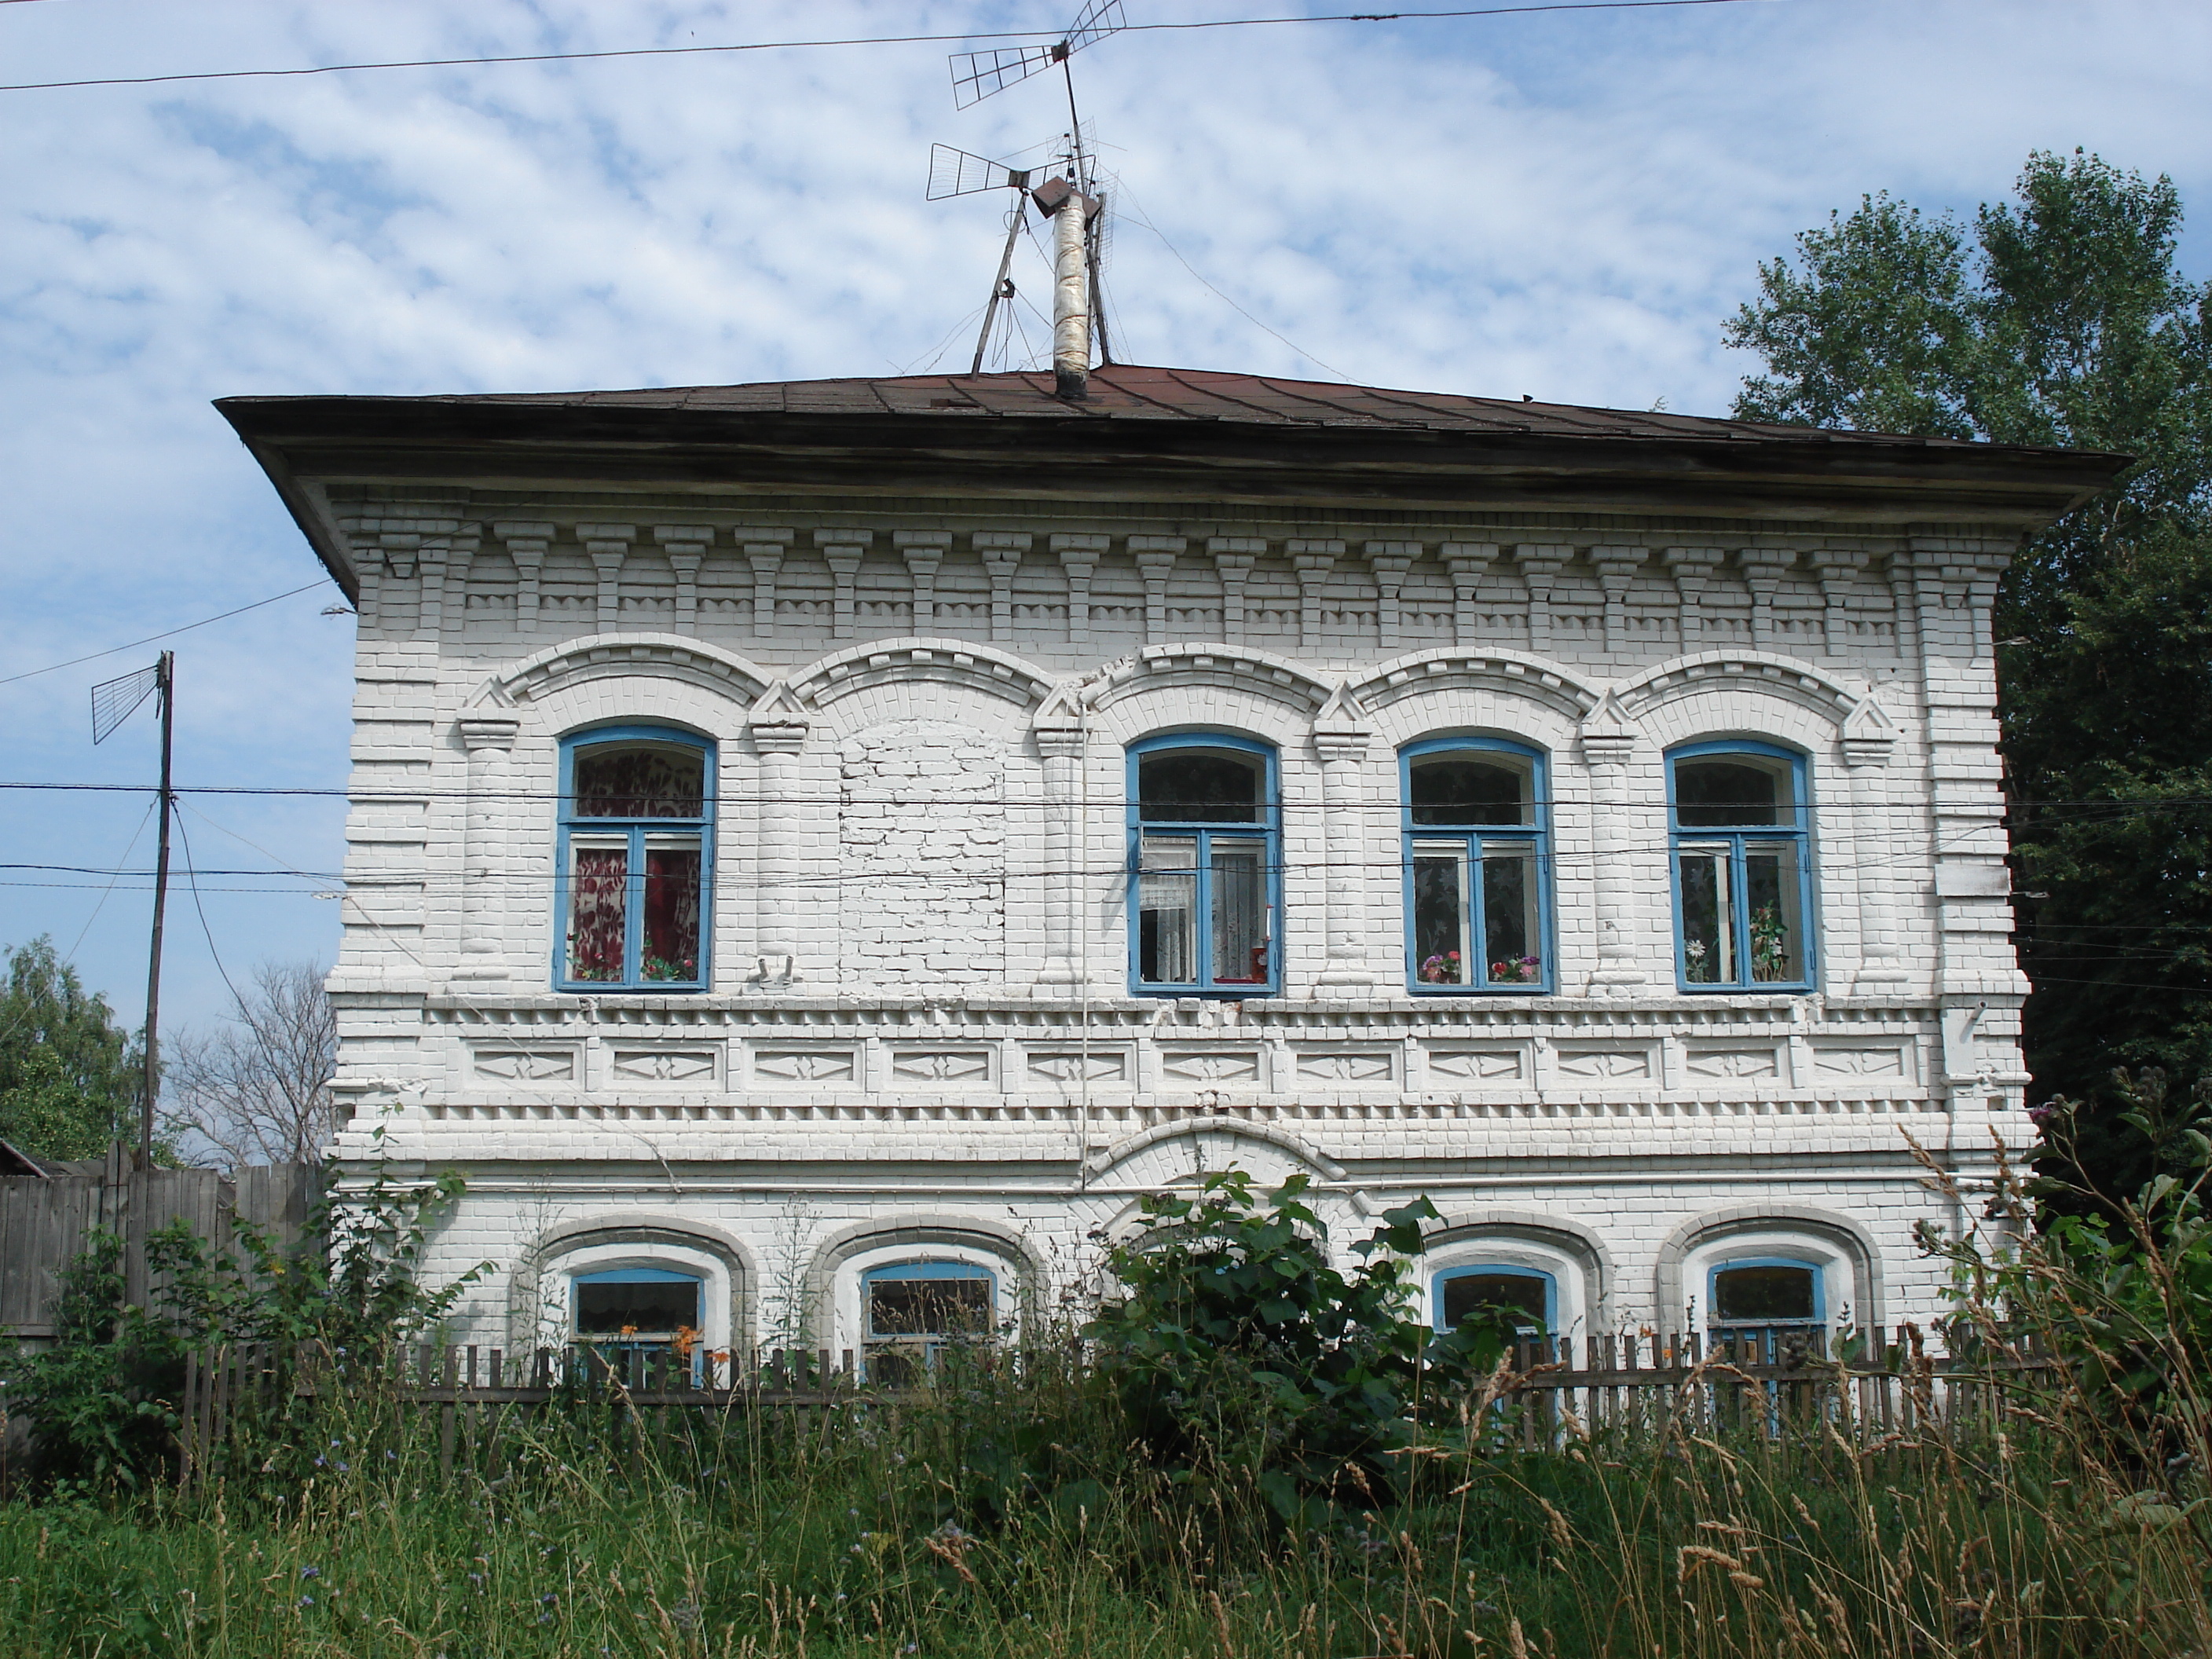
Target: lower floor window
1761, 1303
911, 1309
1458, 1292
625, 1308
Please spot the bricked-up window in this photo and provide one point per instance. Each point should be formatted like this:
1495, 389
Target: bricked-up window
1205, 867
637, 853
912, 1310
1478, 867
1457, 1292
1740, 826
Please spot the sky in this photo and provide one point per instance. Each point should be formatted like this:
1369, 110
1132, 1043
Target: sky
1567, 203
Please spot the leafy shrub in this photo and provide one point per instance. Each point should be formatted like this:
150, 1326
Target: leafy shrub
102, 1403
1238, 1341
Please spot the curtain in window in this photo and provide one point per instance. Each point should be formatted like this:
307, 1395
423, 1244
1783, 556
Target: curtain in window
599, 884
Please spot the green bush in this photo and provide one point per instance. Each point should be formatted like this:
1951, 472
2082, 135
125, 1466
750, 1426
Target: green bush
1237, 1342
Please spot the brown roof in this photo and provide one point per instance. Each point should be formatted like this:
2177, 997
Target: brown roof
1131, 393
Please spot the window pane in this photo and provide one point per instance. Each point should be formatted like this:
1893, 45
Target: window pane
1167, 899
928, 1307
1510, 947
1454, 789
1731, 792
1240, 913
1466, 1293
672, 910
599, 893
641, 780
1708, 916
1777, 919
1757, 1294
1440, 916
660, 1308
1198, 786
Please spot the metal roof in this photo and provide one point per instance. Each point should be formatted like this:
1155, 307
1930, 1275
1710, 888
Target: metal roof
1130, 393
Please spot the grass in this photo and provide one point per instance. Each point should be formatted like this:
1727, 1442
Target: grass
1006, 1517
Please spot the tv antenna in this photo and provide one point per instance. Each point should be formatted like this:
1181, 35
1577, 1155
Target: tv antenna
957, 173
979, 75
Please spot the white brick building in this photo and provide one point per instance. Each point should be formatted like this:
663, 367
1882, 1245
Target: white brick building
820, 852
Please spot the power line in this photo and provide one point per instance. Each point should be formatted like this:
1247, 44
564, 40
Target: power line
847, 41
53, 667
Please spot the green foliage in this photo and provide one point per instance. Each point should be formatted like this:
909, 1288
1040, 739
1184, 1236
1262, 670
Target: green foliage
1237, 1341
2063, 320
70, 1080
100, 1403
2120, 1286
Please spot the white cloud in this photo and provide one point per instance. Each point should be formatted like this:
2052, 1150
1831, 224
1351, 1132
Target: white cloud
1566, 204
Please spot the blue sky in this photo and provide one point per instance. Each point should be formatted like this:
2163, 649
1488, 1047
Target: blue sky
1566, 204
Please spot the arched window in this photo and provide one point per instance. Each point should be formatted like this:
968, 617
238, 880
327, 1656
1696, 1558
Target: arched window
1205, 863
1456, 1293
624, 1308
1738, 819
911, 1309
637, 814
1478, 867
1760, 1303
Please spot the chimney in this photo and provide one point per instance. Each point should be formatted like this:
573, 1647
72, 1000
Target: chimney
1070, 211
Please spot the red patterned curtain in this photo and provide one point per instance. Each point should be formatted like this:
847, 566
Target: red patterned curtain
597, 887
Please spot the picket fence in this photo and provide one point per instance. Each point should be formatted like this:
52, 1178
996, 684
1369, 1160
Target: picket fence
1779, 1382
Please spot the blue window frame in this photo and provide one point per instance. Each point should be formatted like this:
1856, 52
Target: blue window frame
1766, 1292
910, 1311
1205, 867
1740, 820
1456, 1292
636, 854
1476, 818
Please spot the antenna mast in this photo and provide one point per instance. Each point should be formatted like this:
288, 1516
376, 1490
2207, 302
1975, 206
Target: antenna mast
976, 76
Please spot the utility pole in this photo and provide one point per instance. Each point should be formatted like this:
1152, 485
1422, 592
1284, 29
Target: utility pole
113, 701
165, 687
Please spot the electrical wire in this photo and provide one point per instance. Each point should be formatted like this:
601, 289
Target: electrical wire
192, 878
51, 667
847, 40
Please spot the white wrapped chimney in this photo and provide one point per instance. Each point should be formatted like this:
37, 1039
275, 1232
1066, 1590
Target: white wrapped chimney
1070, 211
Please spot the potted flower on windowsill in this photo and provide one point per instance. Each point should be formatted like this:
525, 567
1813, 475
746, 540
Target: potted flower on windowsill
1770, 944
1516, 971
671, 968
1442, 969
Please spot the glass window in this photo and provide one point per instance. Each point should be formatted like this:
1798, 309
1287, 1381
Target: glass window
644, 1303
911, 1309
636, 832
1765, 1292
1477, 867
1457, 1292
1742, 867
1205, 860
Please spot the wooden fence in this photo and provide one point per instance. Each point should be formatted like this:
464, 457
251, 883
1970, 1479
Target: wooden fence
45, 1222
1769, 1381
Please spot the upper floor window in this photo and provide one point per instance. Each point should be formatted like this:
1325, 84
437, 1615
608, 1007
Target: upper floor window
636, 850
1205, 860
1478, 868
1742, 867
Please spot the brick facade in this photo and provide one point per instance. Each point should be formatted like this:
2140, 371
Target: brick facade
920, 1038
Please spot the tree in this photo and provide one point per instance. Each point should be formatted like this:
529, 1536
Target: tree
69, 1078
258, 1089
2065, 320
